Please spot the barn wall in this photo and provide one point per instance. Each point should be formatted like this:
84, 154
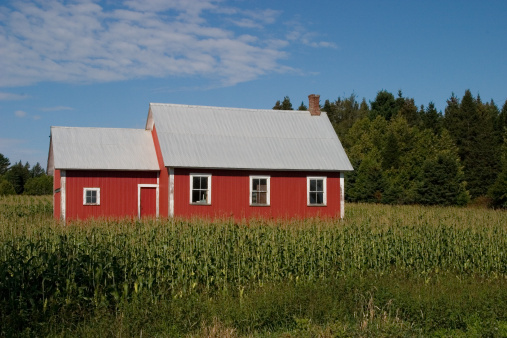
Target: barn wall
230, 191
118, 192
56, 195
163, 179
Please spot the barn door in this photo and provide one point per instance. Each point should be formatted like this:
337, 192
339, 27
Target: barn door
148, 202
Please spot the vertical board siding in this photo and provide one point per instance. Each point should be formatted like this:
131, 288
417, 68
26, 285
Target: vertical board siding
231, 190
163, 179
118, 192
56, 195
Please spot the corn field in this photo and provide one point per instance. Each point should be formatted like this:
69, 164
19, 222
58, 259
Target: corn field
45, 265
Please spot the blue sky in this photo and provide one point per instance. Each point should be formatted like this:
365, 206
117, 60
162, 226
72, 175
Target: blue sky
100, 63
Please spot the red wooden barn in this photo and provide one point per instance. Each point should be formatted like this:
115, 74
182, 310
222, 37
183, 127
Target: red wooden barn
204, 161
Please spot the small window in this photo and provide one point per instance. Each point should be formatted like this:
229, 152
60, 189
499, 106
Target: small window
259, 190
91, 196
316, 191
200, 188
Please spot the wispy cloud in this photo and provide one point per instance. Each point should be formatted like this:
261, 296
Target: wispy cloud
86, 42
57, 108
11, 97
20, 113
299, 33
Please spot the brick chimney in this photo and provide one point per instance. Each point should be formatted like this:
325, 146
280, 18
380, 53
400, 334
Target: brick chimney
313, 104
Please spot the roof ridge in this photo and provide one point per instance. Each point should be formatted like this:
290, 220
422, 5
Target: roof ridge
228, 108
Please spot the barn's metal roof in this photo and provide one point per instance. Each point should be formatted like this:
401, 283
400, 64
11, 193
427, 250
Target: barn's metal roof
215, 137
101, 148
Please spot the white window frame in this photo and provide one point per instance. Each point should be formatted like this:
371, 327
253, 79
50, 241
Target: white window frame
97, 190
208, 202
324, 197
268, 192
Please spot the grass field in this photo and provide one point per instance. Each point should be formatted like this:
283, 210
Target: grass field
383, 271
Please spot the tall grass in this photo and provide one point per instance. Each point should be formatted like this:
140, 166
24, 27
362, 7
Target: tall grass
46, 266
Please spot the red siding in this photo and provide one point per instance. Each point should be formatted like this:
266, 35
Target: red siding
118, 192
163, 179
230, 191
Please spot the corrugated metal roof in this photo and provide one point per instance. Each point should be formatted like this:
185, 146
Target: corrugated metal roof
215, 137
102, 148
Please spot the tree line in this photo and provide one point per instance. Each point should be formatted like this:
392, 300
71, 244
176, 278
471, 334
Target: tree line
20, 179
405, 154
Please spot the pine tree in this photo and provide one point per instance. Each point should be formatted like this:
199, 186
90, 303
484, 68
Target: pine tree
384, 105
498, 191
302, 106
4, 164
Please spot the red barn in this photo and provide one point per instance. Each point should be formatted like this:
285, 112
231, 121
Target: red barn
204, 161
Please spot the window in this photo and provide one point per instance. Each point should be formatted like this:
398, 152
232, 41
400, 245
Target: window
259, 190
200, 188
316, 190
91, 196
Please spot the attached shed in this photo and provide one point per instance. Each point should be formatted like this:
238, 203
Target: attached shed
205, 161
103, 172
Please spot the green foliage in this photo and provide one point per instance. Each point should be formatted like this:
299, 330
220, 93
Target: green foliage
442, 182
39, 185
384, 105
6, 188
498, 191
303, 106
285, 105
4, 164
17, 175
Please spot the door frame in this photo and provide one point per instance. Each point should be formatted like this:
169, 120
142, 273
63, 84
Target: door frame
139, 187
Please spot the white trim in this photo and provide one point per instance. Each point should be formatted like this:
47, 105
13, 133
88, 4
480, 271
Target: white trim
324, 197
268, 193
208, 199
139, 186
63, 195
171, 192
342, 195
85, 189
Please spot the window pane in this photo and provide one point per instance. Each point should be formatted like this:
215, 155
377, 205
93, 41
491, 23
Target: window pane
313, 185
320, 185
195, 196
313, 198
196, 182
203, 196
262, 198
204, 183
254, 197
255, 184
320, 198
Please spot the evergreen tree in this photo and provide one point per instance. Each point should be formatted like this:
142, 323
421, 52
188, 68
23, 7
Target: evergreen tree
384, 105
286, 105
431, 119
442, 182
390, 153
37, 170
498, 191
4, 164
17, 175
277, 106
302, 106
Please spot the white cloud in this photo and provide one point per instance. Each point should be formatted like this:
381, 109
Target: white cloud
20, 113
85, 42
